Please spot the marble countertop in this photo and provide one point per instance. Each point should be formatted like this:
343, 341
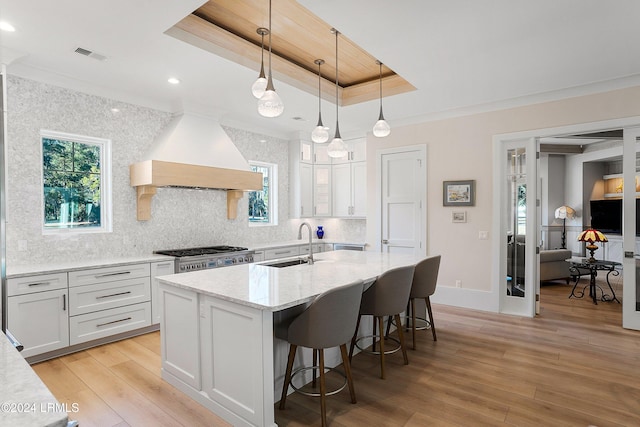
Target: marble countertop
273, 289
27, 270
24, 399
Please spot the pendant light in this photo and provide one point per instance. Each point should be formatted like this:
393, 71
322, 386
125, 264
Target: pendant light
337, 147
257, 89
321, 133
381, 128
270, 105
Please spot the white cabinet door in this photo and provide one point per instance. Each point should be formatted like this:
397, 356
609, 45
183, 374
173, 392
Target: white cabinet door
284, 252
179, 334
359, 189
306, 190
321, 154
306, 152
237, 359
322, 190
161, 268
358, 150
258, 256
39, 321
341, 189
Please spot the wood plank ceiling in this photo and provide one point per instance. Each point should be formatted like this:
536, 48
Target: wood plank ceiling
227, 28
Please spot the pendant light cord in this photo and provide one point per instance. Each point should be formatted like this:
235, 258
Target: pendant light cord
337, 134
269, 79
381, 116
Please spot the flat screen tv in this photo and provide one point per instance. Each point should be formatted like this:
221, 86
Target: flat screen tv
606, 215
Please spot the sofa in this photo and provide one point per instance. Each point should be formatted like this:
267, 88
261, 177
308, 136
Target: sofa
553, 265
552, 262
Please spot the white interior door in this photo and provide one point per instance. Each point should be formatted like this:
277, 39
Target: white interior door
519, 236
403, 200
631, 260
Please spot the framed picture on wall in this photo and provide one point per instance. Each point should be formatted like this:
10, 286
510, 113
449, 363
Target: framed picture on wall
459, 193
459, 216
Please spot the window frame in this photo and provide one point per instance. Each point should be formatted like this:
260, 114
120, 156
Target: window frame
273, 196
106, 205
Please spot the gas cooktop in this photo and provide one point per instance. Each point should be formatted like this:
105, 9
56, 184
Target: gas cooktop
210, 250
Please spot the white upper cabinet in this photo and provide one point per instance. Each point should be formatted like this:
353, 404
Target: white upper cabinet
356, 151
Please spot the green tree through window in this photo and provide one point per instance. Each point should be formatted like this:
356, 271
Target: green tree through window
72, 178
262, 203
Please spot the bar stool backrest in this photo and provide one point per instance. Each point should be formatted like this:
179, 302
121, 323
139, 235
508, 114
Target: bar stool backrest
389, 294
330, 319
425, 277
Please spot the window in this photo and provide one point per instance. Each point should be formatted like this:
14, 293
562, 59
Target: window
263, 205
75, 180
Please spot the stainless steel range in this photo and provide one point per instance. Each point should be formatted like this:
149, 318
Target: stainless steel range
192, 259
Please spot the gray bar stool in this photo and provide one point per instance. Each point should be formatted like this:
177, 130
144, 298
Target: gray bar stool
327, 322
425, 279
387, 296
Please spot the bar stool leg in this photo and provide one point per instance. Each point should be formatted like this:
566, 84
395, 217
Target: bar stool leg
427, 300
380, 323
347, 372
353, 340
413, 321
323, 391
315, 363
401, 336
287, 375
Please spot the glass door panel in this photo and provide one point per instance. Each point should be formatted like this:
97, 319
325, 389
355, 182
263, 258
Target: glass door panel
630, 230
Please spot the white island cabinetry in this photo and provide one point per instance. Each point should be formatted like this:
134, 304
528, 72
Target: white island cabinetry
222, 353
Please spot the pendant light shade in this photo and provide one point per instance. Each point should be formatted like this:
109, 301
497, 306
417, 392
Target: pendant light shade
337, 147
381, 128
321, 133
270, 104
259, 86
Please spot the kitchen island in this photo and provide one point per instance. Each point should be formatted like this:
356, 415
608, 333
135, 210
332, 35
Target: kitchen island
217, 326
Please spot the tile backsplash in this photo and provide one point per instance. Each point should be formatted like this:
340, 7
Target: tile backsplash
180, 217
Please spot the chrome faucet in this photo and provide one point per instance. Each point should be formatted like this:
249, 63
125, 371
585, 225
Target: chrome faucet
310, 234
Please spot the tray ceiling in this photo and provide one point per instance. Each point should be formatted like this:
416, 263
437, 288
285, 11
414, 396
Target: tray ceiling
228, 28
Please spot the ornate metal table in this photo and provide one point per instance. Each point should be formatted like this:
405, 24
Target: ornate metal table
582, 266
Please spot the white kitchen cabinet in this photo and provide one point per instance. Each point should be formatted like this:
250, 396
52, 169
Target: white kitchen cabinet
106, 301
356, 151
179, 330
258, 256
283, 252
349, 190
39, 320
306, 151
316, 247
321, 154
158, 269
306, 190
322, 190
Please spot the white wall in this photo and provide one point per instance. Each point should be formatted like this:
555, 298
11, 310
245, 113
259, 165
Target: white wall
461, 148
180, 217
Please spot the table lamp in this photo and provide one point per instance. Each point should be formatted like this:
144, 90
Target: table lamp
564, 212
590, 236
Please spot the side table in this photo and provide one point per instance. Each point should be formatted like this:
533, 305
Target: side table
578, 264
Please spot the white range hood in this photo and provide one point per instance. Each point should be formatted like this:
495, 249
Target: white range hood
193, 152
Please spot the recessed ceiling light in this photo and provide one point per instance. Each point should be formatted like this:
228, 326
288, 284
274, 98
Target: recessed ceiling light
5, 26
263, 140
115, 110
173, 80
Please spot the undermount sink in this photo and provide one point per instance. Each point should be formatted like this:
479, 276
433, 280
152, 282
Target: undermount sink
287, 263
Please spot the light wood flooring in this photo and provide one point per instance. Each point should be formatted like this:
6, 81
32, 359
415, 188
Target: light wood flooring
573, 365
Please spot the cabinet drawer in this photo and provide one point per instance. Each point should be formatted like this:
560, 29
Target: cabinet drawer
317, 248
281, 252
108, 274
38, 283
102, 296
87, 327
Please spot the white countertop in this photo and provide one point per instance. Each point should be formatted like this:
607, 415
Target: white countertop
27, 270
274, 289
24, 399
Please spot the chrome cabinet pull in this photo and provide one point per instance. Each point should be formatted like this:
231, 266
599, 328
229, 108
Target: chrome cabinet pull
385, 242
164, 264
64, 302
281, 252
119, 273
39, 284
112, 322
113, 295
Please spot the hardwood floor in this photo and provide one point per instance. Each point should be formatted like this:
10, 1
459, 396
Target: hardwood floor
573, 365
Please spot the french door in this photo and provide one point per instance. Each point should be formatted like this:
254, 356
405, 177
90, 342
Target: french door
631, 260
